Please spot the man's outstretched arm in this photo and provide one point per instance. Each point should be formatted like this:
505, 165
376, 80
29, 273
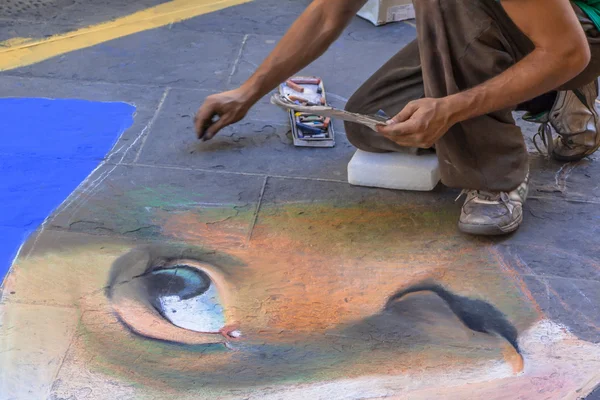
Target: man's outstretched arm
561, 53
307, 39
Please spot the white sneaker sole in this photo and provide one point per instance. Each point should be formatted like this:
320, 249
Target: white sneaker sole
490, 230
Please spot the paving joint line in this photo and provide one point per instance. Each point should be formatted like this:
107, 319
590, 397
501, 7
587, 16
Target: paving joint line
175, 167
82, 190
150, 125
104, 82
64, 359
257, 210
231, 172
238, 58
95, 185
140, 85
559, 278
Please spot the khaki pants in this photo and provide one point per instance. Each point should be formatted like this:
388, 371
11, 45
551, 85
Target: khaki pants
460, 44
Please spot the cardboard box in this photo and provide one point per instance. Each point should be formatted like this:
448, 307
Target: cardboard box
381, 12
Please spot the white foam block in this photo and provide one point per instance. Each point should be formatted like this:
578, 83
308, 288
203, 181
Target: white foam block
403, 171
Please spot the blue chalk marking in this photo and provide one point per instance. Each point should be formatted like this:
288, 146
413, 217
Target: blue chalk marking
47, 149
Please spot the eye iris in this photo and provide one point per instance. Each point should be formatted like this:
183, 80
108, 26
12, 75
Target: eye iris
187, 298
182, 281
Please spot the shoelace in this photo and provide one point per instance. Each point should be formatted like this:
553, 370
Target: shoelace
461, 194
485, 195
544, 132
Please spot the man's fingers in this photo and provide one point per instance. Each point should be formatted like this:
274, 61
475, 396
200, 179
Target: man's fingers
213, 129
407, 134
410, 141
405, 114
399, 129
204, 118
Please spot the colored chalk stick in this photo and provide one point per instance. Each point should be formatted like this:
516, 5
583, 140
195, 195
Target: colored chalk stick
306, 81
294, 86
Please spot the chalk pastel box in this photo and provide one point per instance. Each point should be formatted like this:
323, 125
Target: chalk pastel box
308, 130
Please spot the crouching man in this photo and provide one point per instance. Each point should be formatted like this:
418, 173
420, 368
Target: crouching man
455, 87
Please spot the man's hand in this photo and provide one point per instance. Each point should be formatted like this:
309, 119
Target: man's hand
228, 107
420, 124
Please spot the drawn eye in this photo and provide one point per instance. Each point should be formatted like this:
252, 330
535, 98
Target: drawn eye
174, 299
186, 297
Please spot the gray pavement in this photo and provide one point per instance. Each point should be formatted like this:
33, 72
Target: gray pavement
167, 72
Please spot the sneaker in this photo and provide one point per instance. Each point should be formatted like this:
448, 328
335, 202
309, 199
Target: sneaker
493, 213
575, 119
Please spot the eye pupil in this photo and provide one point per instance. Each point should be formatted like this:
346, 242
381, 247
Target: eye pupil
182, 281
186, 297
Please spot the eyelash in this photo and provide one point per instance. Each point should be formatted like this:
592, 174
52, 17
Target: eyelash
209, 307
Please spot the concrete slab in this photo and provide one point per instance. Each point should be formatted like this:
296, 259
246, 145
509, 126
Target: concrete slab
418, 230
549, 260
342, 67
32, 10
85, 12
161, 56
145, 99
10, 29
274, 17
567, 181
60, 269
33, 344
81, 13
280, 190
138, 201
556, 224
573, 302
258, 146
78, 379
43, 18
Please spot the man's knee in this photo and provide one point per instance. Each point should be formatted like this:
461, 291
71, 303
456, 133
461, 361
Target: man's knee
355, 104
355, 132
358, 135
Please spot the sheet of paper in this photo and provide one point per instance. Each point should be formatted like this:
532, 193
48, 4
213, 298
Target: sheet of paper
370, 121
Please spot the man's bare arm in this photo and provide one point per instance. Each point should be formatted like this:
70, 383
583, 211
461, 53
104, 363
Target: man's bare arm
306, 40
561, 53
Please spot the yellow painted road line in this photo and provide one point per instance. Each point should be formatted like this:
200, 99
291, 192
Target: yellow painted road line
20, 52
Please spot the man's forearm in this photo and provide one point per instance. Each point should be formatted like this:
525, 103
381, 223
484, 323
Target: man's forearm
308, 38
536, 74
561, 52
